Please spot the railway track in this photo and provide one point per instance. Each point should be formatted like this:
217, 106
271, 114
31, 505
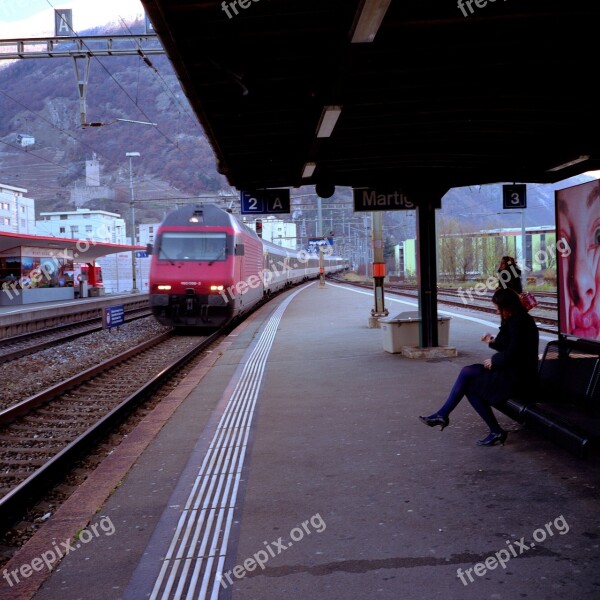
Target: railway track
42, 436
547, 300
544, 314
412, 286
29, 343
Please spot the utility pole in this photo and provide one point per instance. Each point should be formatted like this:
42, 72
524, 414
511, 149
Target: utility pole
132, 155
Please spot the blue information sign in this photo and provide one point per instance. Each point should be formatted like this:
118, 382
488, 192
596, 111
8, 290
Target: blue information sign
113, 316
314, 243
260, 202
63, 22
141, 254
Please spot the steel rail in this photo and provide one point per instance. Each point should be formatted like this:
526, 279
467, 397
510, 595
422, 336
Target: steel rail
11, 505
485, 296
551, 322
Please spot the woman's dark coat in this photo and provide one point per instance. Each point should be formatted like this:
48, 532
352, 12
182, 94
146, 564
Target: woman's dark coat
515, 364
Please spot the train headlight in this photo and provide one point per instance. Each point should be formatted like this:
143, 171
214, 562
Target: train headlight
163, 288
216, 288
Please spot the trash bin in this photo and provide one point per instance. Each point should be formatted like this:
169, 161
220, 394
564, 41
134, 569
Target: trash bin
403, 330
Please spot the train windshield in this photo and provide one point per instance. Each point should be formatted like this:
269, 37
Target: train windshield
193, 246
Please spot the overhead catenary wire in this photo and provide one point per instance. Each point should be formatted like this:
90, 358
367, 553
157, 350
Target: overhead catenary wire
91, 54
30, 152
43, 159
63, 131
166, 86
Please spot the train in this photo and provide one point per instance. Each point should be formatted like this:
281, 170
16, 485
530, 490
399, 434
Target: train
208, 268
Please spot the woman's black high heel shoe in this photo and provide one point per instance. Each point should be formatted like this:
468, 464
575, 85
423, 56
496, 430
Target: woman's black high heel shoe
434, 420
494, 438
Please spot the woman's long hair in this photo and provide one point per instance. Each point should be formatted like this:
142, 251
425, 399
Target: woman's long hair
509, 261
508, 302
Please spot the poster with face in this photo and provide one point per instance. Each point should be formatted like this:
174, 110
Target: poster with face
578, 224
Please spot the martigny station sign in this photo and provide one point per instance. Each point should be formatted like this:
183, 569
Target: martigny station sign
369, 199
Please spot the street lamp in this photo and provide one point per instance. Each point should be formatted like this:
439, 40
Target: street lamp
132, 155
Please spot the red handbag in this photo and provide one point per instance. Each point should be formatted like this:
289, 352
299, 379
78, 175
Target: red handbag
528, 300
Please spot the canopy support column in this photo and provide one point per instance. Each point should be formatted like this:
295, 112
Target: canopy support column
427, 271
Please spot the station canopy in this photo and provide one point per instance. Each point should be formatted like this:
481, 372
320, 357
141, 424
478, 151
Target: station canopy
83, 250
446, 94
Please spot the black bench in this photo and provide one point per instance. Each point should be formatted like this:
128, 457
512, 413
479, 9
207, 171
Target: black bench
567, 406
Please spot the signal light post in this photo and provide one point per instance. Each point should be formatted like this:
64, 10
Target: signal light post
379, 309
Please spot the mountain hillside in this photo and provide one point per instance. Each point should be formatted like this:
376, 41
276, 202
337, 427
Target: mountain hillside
39, 98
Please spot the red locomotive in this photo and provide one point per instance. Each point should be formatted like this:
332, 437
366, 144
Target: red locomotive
208, 268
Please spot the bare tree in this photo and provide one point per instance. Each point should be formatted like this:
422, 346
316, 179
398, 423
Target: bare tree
454, 258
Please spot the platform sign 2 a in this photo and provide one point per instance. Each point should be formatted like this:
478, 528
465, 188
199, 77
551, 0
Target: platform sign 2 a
514, 196
263, 202
113, 316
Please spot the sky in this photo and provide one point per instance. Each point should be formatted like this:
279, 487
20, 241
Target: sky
35, 18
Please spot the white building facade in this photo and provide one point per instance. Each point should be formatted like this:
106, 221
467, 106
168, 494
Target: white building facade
17, 212
146, 233
98, 226
83, 224
277, 231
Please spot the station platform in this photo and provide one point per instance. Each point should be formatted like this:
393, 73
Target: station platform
293, 463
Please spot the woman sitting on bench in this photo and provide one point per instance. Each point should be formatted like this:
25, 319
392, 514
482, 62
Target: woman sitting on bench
511, 372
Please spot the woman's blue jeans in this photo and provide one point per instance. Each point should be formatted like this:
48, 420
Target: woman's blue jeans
461, 389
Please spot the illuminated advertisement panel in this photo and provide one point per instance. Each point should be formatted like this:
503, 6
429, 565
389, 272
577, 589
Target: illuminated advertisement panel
578, 263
